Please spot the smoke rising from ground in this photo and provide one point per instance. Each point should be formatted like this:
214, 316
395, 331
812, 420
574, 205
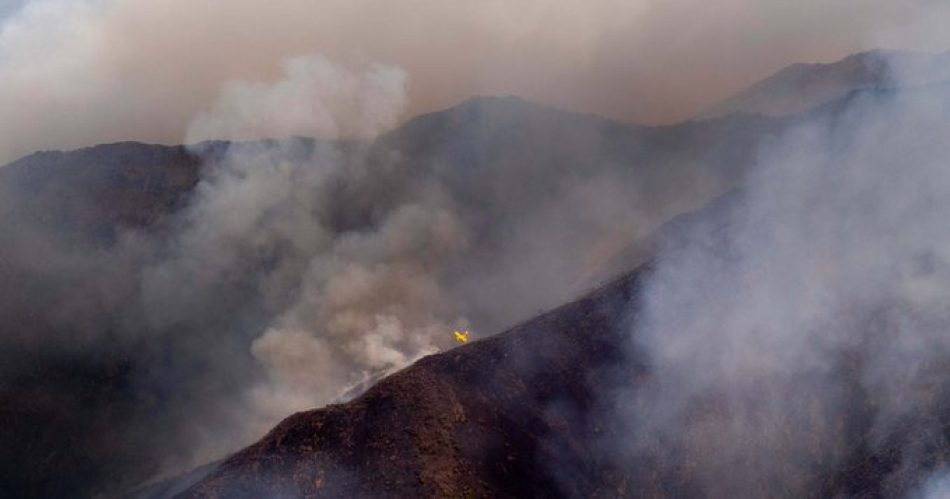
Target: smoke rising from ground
367, 299
373, 260
298, 271
111, 70
314, 99
371, 306
812, 299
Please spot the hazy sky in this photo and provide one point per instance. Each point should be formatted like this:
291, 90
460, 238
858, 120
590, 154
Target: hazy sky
7, 7
77, 72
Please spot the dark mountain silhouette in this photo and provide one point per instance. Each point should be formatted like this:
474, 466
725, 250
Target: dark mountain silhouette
98, 190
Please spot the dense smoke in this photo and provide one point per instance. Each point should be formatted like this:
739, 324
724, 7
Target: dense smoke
371, 305
372, 258
363, 259
298, 270
112, 70
807, 314
358, 300
295, 272
314, 99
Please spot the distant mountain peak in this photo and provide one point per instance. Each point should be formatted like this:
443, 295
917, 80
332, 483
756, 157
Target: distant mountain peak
493, 106
480, 101
804, 86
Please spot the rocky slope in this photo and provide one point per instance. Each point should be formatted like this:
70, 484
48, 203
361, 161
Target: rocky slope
515, 415
529, 413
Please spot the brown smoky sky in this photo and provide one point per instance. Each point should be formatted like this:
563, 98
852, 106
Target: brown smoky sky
79, 72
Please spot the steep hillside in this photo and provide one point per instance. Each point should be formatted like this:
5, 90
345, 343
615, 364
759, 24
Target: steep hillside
515, 415
528, 413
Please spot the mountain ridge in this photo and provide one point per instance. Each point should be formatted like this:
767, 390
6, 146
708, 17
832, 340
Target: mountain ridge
799, 87
503, 159
454, 404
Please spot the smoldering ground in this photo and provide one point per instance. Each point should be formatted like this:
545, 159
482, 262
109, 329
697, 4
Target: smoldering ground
799, 328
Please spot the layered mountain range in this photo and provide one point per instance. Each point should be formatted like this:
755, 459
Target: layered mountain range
128, 336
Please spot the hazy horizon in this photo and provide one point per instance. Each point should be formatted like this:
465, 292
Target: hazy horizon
83, 72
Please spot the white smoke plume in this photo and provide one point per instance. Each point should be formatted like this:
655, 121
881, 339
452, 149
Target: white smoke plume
369, 306
816, 296
314, 99
362, 302
365, 261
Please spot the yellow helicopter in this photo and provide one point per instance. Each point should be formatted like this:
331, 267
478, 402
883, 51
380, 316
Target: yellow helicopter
461, 337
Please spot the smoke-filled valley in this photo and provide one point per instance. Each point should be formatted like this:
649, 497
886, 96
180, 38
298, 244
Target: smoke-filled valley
750, 303
202, 293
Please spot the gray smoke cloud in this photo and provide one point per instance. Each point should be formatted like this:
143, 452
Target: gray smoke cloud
371, 305
151, 330
345, 303
112, 70
315, 98
299, 269
808, 313
363, 260
935, 487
